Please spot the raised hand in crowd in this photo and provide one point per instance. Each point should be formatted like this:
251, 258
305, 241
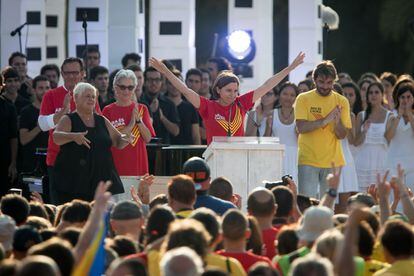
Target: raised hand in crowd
142, 196
404, 194
36, 197
332, 180
384, 189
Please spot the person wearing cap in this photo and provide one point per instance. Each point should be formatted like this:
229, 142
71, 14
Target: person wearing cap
199, 171
7, 229
24, 238
314, 222
127, 219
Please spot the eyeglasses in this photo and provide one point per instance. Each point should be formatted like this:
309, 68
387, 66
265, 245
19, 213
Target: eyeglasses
124, 87
157, 80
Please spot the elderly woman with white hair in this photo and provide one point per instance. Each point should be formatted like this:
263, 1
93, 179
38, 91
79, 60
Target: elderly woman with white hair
85, 139
128, 116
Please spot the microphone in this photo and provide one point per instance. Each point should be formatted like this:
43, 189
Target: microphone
84, 20
18, 29
247, 113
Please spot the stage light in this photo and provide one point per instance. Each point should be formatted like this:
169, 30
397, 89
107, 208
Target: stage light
240, 47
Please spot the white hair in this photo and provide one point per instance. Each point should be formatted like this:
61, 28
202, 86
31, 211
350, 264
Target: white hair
311, 264
125, 74
181, 261
82, 87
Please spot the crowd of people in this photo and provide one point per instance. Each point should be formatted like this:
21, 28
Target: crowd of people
346, 207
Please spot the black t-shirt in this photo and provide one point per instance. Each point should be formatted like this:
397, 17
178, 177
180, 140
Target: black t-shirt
188, 117
21, 103
27, 157
168, 110
8, 129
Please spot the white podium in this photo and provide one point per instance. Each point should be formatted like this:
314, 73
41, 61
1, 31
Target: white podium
245, 161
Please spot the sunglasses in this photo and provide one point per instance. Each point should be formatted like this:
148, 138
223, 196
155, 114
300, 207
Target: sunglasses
124, 87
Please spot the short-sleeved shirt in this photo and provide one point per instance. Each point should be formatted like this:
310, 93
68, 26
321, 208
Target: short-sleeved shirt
320, 147
52, 102
133, 159
247, 259
269, 238
216, 204
8, 129
216, 117
188, 117
169, 110
28, 120
401, 268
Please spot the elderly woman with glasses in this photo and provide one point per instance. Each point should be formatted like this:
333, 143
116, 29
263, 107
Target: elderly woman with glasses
85, 139
128, 116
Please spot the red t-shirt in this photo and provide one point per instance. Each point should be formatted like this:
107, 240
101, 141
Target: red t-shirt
269, 237
133, 159
52, 102
216, 116
247, 259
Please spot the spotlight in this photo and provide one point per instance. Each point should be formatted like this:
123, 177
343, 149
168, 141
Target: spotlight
240, 47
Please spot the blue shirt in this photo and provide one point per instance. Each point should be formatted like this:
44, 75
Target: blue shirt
211, 202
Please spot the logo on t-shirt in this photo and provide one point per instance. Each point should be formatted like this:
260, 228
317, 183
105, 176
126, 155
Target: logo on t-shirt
233, 126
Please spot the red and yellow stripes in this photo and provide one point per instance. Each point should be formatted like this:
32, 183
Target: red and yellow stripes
234, 125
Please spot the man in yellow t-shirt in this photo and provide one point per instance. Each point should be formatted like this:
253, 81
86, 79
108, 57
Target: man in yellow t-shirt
322, 119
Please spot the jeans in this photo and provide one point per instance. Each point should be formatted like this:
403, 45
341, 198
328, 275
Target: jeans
312, 180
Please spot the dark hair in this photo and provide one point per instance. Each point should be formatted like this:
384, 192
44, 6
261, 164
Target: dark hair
390, 77
111, 81
51, 212
124, 246
37, 79
204, 70
90, 49
70, 234
263, 207
366, 239
221, 187
405, 87
72, 60
158, 222
284, 200
288, 84
224, 78
134, 265
58, 250
209, 220
38, 210
362, 81
37, 265
10, 73
149, 69
16, 54
369, 106
194, 71
97, 70
234, 224
77, 211
400, 81
134, 68
59, 213
325, 68
134, 56
38, 223
16, 207
255, 241
357, 107
222, 63
181, 188
47, 234
159, 199
337, 87
398, 238
369, 75
308, 82
287, 240
48, 67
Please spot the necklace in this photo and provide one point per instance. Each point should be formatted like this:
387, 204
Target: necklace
286, 118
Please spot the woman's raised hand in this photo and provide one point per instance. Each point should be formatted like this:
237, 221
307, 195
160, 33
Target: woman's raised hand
298, 60
157, 64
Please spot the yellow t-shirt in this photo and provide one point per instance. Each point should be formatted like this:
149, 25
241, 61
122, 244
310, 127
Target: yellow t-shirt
400, 268
230, 265
372, 266
321, 147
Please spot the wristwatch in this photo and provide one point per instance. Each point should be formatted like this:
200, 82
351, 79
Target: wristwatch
332, 192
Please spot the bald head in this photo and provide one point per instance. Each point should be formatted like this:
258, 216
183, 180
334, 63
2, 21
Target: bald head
261, 203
